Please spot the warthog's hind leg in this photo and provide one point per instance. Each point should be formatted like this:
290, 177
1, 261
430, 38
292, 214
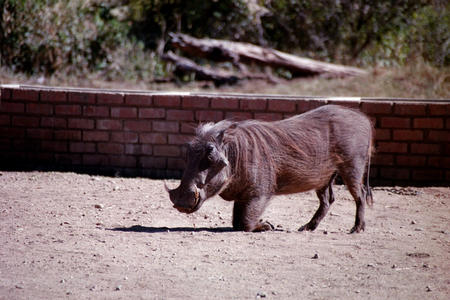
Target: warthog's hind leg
326, 198
246, 215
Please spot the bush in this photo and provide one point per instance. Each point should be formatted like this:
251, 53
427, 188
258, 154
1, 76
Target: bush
44, 36
123, 39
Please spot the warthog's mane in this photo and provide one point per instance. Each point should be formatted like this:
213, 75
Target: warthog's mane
250, 144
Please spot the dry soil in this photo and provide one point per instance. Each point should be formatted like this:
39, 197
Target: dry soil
66, 235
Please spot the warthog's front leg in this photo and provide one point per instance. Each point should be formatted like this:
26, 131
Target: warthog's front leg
246, 215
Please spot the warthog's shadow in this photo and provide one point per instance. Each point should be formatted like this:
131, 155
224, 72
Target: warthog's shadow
139, 228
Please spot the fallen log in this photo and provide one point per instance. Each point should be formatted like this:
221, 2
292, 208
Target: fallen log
237, 52
184, 65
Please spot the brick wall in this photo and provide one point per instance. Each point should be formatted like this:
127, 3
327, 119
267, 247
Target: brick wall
142, 133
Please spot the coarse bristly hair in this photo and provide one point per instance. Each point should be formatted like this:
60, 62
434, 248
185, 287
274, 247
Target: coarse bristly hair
301, 153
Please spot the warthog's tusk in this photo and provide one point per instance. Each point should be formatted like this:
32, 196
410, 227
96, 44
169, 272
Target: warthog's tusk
166, 187
196, 195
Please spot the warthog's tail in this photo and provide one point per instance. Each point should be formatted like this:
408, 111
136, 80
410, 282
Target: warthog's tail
368, 190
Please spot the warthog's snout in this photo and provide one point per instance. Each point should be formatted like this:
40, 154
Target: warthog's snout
185, 200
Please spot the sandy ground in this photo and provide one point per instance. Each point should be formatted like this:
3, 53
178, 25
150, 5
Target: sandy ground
66, 235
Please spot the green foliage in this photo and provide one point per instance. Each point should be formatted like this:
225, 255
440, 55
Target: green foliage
122, 39
46, 36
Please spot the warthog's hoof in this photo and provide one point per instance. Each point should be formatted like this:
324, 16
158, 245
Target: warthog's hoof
307, 227
358, 228
263, 226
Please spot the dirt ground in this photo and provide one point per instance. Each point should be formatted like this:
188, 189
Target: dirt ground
66, 235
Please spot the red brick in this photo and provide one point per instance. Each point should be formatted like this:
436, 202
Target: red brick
12, 107
376, 108
165, 126
439, 109
96, 111
136, 149
436, 123
439, 162
268, 116
188, 127
53, 96
138, 126
124, 137
425, 148
124, 112
382, 134
253, 104
408, 109
5, 120
68, 109
95, 159
110, 98
395, 122
54, 146
180, 115
72, 135
5, 94
78, 147
77, 97
140, 100
110, 148
81, 123
380, 159
176, 163
306, 105
39, 133
428, 175
439, 136
153, 138
152, 162
238, 115
23, 121
281, 105
39, 108
408, 135
152, 113
166, 100
346, 103
5, 145
411, 160
53, 122
395, 173
28, 95
209, 115
179, 139
164, 150
123, 161
107, 124
195, 102
68, 159
225, 103
391, 147
95, 136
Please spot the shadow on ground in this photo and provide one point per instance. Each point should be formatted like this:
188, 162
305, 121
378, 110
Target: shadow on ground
139, 228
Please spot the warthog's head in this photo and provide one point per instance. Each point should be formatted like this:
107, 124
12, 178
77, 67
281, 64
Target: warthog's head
207, 169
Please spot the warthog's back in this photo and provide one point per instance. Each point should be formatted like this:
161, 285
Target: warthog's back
318, 143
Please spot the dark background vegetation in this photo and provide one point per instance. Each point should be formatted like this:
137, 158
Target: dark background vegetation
122, 40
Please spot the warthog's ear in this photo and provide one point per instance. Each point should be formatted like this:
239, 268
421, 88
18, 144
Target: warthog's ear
220, 135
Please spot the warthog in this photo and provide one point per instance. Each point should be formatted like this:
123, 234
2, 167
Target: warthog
248, 162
